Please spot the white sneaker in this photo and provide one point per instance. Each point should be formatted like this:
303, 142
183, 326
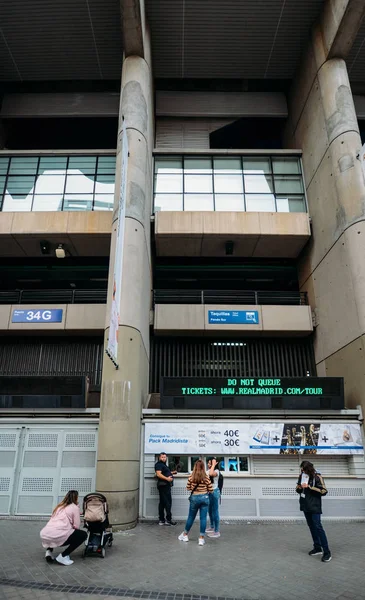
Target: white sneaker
183, 537
49, 556
209, 530
201, 541
215, 534
64, 560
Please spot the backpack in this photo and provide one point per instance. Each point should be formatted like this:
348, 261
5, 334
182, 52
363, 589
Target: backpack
220, 482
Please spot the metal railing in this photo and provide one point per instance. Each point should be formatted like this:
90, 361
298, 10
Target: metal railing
230, 297
53, 297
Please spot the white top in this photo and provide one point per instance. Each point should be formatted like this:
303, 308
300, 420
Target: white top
215, 478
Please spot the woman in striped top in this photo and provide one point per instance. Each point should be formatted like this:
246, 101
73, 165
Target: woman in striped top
200, 486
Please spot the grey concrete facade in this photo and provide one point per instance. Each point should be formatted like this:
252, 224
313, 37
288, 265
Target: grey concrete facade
322, 121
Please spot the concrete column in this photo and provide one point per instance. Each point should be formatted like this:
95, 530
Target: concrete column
125, 390
322, 121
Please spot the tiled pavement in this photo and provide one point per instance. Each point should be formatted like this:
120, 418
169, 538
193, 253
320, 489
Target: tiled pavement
257, 561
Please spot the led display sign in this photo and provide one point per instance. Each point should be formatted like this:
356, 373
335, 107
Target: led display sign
252, 392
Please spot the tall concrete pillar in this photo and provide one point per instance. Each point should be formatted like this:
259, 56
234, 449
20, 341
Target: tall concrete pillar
322, 121
124, 390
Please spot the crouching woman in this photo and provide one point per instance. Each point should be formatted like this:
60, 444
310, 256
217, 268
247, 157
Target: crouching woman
63, 529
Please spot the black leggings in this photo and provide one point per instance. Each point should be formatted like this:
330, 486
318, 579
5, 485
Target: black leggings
74, 541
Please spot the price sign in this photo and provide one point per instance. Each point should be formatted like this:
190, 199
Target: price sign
37, 315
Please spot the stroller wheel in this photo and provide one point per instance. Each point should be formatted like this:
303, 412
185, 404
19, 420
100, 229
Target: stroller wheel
110, 543
103, 553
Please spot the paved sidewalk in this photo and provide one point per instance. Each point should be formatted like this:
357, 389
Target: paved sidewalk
257, 561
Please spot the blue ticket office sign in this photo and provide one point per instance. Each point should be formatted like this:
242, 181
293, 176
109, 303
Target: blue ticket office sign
37, 315
233, 317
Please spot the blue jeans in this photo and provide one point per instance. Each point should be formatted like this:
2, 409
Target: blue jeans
198, 502
318, 533
214, 509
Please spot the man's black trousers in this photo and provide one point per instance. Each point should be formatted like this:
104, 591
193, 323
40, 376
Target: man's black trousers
165, 502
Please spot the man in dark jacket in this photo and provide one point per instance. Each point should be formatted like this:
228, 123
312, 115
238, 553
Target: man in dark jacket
164, 483
311, 488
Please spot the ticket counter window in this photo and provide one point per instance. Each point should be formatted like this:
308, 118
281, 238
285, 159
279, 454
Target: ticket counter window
233, 465
243, 464
180, 464
193, 461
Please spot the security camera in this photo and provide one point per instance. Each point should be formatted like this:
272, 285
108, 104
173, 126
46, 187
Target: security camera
60, 251
229, 246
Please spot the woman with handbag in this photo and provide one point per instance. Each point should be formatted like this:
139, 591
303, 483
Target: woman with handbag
200, 486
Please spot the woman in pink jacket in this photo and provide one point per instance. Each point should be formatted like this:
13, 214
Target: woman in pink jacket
63, 529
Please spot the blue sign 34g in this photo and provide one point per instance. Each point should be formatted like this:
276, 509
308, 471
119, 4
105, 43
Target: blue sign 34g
233, 317
37, 315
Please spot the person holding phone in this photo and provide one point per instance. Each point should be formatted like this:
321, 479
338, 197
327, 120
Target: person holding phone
213, 474
311, 488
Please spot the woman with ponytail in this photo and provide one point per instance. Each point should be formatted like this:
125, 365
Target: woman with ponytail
63, 529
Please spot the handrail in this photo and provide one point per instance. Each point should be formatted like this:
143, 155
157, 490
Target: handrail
251, 297
53, 296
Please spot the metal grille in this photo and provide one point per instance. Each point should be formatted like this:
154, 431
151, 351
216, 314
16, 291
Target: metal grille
82, 484
190, 357
52, 356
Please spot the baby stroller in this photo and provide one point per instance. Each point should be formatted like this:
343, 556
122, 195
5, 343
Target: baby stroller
95, 510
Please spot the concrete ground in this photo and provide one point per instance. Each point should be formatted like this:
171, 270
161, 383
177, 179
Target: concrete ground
257, 561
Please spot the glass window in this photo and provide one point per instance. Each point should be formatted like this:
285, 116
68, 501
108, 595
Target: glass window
15, 203
288, 185
2, 184
168, 164
258, 184
106, 164
20, 185
79, 184
221, 463
168, 202
243, 463
104, 184
260, 203
228, 184
179, 464
169, 183
230, 164
229, 202
198, 183
23, 165
47, 202
289, 165
256, 164
4, 163
291, 204
198, 202
232, 464
104, 202
52, 165
81, 164
78, 202
50, 184
198, 164
193, 460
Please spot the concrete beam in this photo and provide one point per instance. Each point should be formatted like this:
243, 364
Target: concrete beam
339, 25
347, 29
133, 27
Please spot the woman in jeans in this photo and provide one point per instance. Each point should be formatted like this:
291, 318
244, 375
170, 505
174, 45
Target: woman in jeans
213, 474
200, 487
63, 529
311, 488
